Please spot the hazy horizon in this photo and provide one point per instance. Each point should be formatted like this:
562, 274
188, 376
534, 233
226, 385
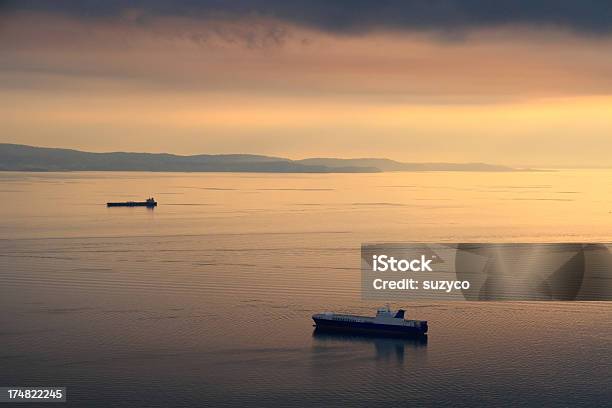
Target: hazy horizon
294, 158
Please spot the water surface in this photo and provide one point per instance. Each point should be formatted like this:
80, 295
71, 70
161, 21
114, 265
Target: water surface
206, 300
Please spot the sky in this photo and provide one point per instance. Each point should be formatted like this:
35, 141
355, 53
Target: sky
522, 83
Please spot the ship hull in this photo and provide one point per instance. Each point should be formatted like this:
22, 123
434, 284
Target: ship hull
369, 328
132, 204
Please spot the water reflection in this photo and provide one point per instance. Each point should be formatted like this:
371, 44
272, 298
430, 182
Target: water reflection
386, 348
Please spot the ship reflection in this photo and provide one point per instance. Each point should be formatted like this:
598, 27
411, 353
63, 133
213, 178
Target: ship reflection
386, 347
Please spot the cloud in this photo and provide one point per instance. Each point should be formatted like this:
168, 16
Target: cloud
267, 58
592, 17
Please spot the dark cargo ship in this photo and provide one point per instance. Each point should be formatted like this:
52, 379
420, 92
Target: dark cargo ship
149, 203
386, 322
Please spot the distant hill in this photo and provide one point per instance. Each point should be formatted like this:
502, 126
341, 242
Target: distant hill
392, 165
14, 157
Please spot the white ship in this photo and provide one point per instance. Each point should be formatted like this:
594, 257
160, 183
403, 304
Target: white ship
385, 322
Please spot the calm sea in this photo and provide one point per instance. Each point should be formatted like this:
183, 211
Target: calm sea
206, 300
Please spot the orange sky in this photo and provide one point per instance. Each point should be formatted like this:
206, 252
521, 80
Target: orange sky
514, 95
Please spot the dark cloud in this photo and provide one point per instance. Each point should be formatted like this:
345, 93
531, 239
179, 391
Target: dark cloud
589, 16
